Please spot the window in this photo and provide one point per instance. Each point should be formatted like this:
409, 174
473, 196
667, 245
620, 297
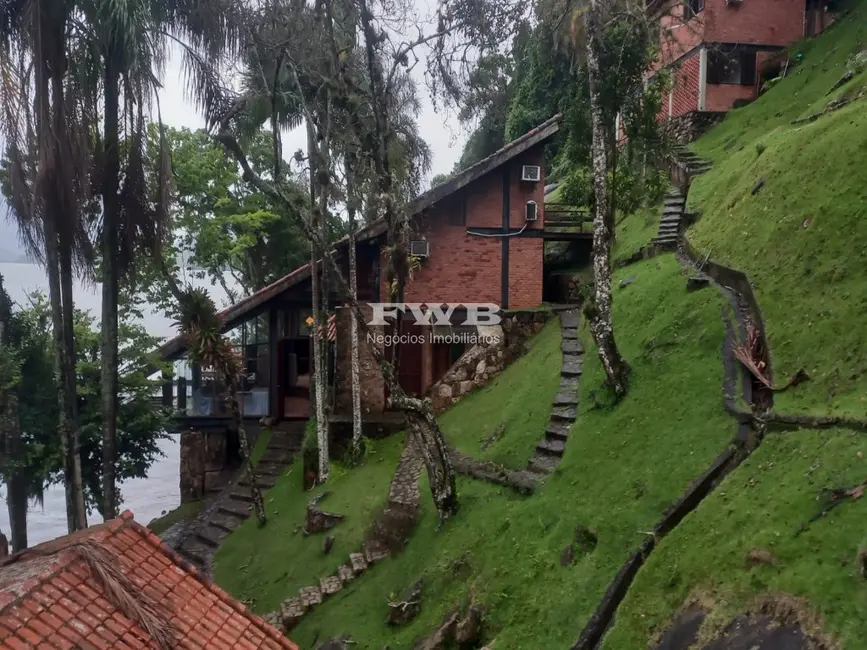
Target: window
692, 8
738, 67
458, 212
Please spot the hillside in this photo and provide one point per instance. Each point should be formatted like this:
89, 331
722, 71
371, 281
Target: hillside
800, 238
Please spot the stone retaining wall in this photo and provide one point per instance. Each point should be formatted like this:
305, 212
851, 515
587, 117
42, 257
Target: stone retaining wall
482, 362
688, 127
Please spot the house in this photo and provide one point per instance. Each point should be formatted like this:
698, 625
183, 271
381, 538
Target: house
479, 238
717, 51
116, 585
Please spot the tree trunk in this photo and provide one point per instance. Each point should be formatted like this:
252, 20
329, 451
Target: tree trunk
256, 493
318, 374
355, 363
70, 396
16, 484
616, 369
110, 284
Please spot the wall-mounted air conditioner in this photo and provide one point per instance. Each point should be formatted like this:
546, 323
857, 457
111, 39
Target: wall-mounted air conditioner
532, 211
531, 173
419, 248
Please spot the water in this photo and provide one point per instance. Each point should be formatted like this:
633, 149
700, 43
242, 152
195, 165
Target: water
147, 498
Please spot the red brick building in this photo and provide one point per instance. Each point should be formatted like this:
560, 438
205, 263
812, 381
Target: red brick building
116, 585
717, 49
479, 238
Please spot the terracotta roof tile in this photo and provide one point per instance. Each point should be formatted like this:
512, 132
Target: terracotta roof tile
49, 598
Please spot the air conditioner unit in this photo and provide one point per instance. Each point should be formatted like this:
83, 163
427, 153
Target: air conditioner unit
419, 248
735, 3
532, 211
531, 173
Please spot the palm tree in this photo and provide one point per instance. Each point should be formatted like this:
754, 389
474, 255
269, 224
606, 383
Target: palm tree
47, 122
131, 41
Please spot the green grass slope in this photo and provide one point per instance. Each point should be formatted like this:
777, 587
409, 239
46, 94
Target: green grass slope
802, 237
504, 550
264, 566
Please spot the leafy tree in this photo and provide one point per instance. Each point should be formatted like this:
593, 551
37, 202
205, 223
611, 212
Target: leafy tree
221, 224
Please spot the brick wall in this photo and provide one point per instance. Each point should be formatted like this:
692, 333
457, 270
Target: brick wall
685, 94
468, 268
766, 22
678, 37
721, 97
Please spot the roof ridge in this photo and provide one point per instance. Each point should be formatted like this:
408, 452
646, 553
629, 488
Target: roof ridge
129, 522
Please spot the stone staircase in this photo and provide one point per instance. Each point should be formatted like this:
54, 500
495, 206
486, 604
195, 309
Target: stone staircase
234, 504
689, 161
670, 225
564, 409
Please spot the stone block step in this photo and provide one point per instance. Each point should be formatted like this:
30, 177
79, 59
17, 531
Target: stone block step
226, 523
551, 447
557, 431
569, 333
574, 346
668, 229
674, 200
543, 464
570, 318
211, 535
195, 548
242, 494
568, 384
566, 398
264, 481
566, 413
572, 367
194, 558
672, 218
672, 210
674, 194
235, 508
268, 468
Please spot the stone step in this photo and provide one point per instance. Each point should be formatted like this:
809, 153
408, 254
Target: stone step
674, 194
569, 333
235, 508
557, 431
570, 318
551, 447
195, 548
571, 346
567, 413
672, 209
543, 464
268, 468
568, 384
668, 229
672, 218
211, 536
566, 398
226, 523
192, 557
680, 199
309, 596
572, 367
276, 458
245, 495
264, 481
668, 240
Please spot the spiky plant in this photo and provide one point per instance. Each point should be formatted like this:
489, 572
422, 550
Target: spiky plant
200, 325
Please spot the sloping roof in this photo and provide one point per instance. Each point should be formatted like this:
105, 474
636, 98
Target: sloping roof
51, 598
237, 313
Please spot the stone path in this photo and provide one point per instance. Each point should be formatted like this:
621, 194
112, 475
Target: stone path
226, 512
564, 409
402, 508
671, 222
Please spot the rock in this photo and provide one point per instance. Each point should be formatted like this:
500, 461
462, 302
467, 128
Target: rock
480, 367
330, 585
444, 391
328, 545
273, 619
695, 283
760, 556
291, 611
465, 387
402, 612
627, 281
310, 596
359, 564
345, 573
374, 552
567, 557
318, 521
337, 643
468, 630
443, 636
759, 184
461, 374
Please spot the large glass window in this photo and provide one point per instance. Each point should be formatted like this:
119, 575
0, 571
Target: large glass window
737, 67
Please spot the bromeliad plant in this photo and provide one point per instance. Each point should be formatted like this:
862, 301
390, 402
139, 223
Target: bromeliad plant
199, 323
